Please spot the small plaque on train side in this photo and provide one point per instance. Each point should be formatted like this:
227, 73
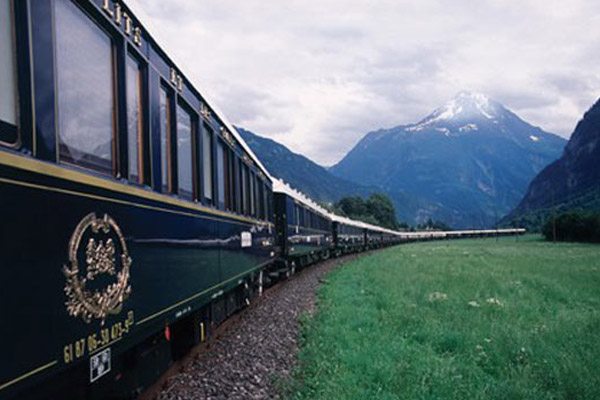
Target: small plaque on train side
246, 239
99, 365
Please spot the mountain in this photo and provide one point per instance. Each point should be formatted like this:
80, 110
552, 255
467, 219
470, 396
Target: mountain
470, 160
316, 181
571, 182
300, 172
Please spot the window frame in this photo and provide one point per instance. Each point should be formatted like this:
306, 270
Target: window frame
143, 139
252, 183
256, 196
261, 198
181, 104
114, 40
267, 202
227, 177
166, 187
7, 129
240, 184
205, 129
244, 190
235, 182
228, 158
219, 172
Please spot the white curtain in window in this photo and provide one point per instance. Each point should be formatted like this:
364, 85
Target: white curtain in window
184, 153
8, 81
84, 63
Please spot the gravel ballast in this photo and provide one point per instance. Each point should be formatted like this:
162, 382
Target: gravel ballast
257, 350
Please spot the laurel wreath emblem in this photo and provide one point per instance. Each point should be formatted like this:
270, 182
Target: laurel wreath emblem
100, 258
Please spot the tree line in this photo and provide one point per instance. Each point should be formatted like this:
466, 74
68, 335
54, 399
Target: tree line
378, 209
573, 226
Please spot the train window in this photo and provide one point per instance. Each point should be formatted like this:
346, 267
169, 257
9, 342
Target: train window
256, 198
84, 65
255, 195
261, 199
242, 187
220, 175
230, 171
248, 189
251, 194
271, 205
185, 187
135, 143
238, 185
207, 168
165, 139
235, 180
245, 189
227, 195
8, 76
266, 201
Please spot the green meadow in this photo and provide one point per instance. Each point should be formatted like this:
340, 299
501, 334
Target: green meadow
465, 319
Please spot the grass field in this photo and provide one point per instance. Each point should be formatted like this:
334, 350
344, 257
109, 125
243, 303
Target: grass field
469, 319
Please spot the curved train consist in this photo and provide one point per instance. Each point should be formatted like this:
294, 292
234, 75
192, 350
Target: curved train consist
134, 217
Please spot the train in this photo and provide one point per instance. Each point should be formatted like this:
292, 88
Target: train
135, 219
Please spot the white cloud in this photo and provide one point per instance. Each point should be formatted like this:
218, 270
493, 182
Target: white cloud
317, 75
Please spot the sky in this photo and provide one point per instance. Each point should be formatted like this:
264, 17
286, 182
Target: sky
318, 75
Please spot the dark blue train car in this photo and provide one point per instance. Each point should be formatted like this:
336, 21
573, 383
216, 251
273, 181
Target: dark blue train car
351, 236
348, 235
134, 217
304, 229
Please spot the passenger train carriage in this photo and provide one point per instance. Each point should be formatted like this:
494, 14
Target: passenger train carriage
349, 236
304, 229
132, 212
134, 217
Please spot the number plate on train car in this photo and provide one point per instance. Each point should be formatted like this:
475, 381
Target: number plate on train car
246, 239
99, 365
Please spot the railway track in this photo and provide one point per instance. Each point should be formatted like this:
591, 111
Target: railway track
251, 352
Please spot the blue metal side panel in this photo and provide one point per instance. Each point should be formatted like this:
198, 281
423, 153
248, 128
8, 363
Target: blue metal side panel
180, 258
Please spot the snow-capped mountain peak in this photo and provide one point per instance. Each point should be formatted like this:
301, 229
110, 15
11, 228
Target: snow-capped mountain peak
464, 107
466, 163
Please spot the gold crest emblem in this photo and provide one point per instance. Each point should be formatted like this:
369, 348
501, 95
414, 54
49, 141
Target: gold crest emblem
102, 286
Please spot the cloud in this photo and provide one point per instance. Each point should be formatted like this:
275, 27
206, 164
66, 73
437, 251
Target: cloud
318, 75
